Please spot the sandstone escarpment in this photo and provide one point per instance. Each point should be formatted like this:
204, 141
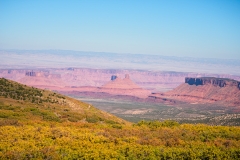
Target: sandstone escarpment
206, 90
221, 82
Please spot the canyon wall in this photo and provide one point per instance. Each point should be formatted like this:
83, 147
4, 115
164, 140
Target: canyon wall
78, 77
221, 82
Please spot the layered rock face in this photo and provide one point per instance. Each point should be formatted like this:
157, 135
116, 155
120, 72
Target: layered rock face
207, 90
221, 82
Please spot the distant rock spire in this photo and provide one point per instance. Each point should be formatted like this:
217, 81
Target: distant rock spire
113, 77
127, 76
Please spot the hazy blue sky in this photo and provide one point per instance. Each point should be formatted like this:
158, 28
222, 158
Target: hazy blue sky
204, 28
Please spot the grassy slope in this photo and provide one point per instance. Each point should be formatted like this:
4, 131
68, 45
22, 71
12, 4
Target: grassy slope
38, 124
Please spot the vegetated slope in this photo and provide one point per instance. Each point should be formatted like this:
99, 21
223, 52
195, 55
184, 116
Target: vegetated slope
145, 140
20, 102
39, 124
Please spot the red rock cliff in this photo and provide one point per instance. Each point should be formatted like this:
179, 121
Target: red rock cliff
206, 90
221, 82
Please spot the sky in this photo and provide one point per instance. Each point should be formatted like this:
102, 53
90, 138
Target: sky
182, 28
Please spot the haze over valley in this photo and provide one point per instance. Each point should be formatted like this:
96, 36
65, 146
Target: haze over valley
29, 59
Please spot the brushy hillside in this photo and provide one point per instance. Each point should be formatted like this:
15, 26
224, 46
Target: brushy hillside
20, 102
39, 124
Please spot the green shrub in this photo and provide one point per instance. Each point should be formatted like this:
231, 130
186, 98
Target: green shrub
117, 126
92, 119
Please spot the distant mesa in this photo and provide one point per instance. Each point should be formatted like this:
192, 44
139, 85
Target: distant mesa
221, 82
221, 91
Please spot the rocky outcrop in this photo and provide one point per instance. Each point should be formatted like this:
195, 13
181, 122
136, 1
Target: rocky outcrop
113, 77
31, 74
193, 81
221, 82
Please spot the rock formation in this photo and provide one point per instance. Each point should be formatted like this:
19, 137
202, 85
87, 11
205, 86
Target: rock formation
31, 74
221, 82
113, 77
221, 91
125, 86
115, 87
118, 83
